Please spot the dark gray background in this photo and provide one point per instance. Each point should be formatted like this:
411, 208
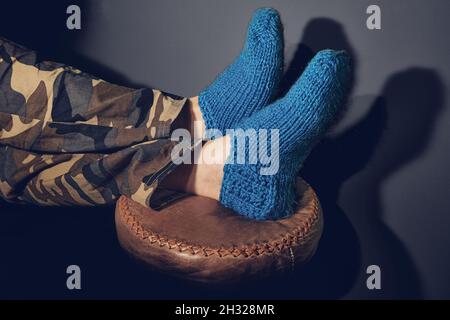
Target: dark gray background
382, 174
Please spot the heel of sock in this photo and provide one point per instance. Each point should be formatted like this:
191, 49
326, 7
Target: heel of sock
257, 196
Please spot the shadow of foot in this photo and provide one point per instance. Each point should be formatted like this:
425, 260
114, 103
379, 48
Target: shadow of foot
396, 131
319, 34
411, 101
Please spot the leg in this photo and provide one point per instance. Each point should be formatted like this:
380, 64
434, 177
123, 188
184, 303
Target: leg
68, 138
59, 123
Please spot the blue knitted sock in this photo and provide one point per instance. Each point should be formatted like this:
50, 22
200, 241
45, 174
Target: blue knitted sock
248, 84
301, 117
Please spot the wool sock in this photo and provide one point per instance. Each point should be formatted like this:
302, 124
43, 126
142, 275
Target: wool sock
301, 117
251, 81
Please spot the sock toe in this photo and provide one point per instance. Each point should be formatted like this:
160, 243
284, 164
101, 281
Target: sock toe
265, 27
335, 65
251, 81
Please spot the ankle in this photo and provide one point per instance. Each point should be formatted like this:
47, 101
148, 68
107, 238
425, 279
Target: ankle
204, 177
207, 173
197, 123
190, 118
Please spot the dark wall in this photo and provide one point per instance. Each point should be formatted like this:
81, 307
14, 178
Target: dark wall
382, 174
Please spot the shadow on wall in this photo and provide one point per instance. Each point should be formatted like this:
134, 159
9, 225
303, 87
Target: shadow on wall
319, 34
408, 107
396, 131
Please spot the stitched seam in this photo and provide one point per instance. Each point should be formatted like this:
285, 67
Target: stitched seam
298, 235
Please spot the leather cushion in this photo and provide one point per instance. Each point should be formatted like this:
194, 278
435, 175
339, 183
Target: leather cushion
198, 239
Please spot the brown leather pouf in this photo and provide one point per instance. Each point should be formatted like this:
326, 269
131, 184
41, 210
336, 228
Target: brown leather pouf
196, 238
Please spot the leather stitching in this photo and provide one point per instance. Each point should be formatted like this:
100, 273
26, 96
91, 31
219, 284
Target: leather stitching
247, 251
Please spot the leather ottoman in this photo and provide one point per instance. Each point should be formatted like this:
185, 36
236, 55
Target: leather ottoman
197, 239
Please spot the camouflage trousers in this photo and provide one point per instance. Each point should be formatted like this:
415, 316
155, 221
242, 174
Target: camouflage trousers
68, 138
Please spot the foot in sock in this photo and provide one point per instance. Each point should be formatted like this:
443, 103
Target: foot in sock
301, 117
251, 81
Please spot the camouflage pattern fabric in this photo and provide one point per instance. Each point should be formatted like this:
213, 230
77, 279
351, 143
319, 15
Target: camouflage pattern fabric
68, 138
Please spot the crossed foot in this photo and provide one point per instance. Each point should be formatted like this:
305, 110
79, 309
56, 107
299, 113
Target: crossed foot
242, 97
